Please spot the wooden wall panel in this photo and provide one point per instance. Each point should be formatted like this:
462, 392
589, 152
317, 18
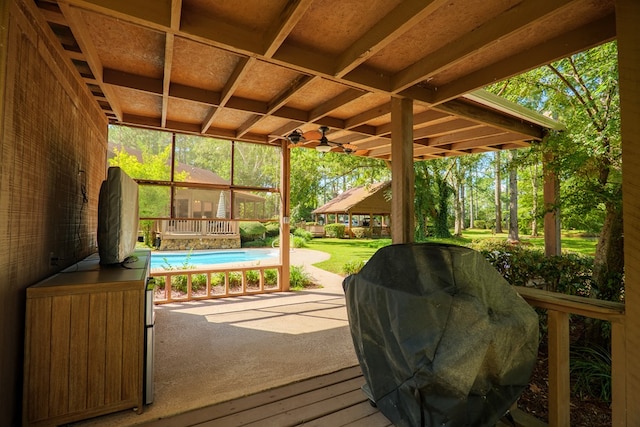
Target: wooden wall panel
53, 139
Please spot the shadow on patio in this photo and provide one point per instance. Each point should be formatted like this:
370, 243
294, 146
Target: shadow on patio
217, 350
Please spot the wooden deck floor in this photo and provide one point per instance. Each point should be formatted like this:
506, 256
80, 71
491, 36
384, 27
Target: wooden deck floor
329, 400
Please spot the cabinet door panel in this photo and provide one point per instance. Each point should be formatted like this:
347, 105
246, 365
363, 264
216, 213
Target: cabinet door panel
59, 372
79, 353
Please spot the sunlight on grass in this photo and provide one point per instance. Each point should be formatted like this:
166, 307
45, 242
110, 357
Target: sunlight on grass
344, 251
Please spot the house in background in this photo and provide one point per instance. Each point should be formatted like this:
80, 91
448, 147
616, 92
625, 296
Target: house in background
202, 217
366, 207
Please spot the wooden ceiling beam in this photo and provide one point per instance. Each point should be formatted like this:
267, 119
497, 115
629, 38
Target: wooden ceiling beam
484, 116
385, 31
239, 71
465, 135
81, 34
445, 128
578, 40
135, 11
176, 7
512, 21
275, 36
368, 115
343, 98
279, 101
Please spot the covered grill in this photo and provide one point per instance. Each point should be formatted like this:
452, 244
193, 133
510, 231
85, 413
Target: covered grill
441, 337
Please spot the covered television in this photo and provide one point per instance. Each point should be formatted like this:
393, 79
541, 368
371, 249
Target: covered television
441, 337
117, 217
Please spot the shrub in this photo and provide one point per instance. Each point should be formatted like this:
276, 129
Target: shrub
480, 224
303, 234
235, 280
271, 278
568, 273
258, 243
252, 230
273, 229
198, 281
298, 278
253, 277
361, 232
591, 372
217, 279
294, 241
334, 230
352, 267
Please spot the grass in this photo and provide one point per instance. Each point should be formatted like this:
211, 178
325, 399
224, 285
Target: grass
345, 251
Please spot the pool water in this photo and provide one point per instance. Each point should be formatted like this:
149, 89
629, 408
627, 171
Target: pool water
198, 259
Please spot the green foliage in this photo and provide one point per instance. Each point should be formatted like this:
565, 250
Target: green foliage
334, 230
235, 280
272, 229
319, 177
352, 267
294, 242
591, 372
253, 277
523, 266
361, 232
217, 279
258, 243
298, 278
252, 230
270, 278
302, 234
480, 224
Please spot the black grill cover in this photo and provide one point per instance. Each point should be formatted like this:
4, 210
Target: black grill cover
441, 337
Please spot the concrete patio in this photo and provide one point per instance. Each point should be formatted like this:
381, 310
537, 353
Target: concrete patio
217, 350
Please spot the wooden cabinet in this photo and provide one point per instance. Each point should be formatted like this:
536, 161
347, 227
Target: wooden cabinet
84, 342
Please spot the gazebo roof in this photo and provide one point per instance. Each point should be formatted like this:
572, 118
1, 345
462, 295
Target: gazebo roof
366, 199
256, 70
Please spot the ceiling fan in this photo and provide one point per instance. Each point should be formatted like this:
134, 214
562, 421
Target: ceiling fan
318, 139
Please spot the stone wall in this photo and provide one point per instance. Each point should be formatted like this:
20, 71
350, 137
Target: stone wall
226, 242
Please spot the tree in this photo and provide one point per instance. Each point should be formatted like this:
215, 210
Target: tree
432, 197
514, 235
498, 193
583, 91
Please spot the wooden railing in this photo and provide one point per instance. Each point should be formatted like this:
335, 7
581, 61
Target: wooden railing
199, 227
236, 282
559, 307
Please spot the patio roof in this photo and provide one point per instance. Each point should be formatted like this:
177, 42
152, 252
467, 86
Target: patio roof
254, 69
366, 199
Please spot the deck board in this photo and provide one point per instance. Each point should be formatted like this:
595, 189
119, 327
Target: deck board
333, 399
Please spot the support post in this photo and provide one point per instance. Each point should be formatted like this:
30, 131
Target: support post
285, 228
559, 387
402, 175
628, 36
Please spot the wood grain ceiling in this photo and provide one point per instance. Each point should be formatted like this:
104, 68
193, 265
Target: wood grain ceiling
245, 70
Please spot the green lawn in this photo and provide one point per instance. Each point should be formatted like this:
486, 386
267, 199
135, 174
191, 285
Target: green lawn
343, 251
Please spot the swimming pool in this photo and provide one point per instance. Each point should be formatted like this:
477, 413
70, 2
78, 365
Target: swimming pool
200, 259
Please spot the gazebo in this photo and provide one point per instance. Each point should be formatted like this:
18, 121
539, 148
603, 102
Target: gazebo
370, 203
399, 81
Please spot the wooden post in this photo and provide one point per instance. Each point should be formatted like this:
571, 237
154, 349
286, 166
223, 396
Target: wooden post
402, 181
285, 174
551, 190
627, 18
618, 374
559, 388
